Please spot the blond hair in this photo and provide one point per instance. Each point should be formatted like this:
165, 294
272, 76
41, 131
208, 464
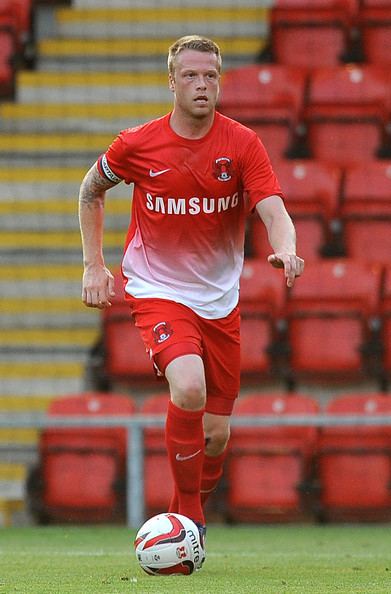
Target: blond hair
194, 42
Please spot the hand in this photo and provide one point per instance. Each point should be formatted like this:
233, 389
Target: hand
98, 286
293, 265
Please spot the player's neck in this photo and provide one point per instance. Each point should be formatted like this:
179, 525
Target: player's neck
190, 127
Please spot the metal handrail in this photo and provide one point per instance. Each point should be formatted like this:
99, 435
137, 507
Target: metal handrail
135, 424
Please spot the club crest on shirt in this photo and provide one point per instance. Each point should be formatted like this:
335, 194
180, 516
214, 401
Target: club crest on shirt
223, 169
161, 332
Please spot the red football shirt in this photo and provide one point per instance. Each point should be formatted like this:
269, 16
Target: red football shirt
190, 200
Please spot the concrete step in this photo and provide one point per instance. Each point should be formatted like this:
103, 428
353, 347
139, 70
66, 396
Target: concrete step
69, 339
13, 479
38, 219
95, 88
112, 4
38, 181
64, 207
53, 240
77, 117
54, 312
163, 21
34, 282
61, 215
54, 143
34, 383
14, 403
42, 373
127, 48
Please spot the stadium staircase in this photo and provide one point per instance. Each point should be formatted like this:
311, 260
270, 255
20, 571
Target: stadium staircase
100, 66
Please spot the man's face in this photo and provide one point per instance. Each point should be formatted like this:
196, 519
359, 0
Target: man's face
195, 82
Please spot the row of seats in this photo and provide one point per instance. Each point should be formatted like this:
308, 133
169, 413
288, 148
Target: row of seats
334, 323
338, 114
272, 473
312, 33
337, 211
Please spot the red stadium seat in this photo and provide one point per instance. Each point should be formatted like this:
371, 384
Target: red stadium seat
311, 33
330, 316
158, 482
16, 16
82, 471
260, 92
268, 469
262, 295
124, 356
269, 99
278, 138
374, 21
366, 211
355, 462
7, 69
312, 191
346, 113
386, 323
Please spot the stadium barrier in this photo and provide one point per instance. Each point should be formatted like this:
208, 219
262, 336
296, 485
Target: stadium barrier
135, 425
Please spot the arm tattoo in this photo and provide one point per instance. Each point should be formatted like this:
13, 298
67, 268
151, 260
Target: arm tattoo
93, 187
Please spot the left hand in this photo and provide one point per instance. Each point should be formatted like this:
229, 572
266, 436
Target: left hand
293, 265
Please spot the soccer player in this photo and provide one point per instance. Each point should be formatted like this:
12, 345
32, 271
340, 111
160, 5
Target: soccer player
196, 175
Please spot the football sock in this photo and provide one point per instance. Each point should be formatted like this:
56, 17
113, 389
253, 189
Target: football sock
185, 448
212, 471
211, 474
173, 507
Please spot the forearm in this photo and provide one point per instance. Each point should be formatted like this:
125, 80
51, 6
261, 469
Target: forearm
280, 229
91, 216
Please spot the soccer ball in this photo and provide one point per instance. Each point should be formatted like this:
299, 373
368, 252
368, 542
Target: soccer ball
169, 544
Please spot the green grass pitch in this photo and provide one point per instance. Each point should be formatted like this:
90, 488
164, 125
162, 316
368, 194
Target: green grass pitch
313, 559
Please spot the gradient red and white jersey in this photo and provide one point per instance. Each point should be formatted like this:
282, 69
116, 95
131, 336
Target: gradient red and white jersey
191, 197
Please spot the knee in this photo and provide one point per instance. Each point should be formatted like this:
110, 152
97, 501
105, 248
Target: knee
216, 441
189, 394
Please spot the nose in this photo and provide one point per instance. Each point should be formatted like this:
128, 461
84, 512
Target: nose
201, 83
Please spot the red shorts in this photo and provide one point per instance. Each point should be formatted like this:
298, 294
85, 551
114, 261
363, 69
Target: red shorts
170, 330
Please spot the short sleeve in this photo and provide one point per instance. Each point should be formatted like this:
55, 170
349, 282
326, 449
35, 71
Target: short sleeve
258, 178
113, 164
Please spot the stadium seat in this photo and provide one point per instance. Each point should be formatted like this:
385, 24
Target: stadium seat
7, 69
262, 295
158, 482
366, 211
120, 357
312, 191
374, 21
82, 472
269, 99
332, 318
386, 324
354, 462
311, 33
346, 113
16, 16
268, 469
278, 138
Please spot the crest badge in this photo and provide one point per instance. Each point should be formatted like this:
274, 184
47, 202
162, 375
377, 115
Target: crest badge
161, 332
223, 169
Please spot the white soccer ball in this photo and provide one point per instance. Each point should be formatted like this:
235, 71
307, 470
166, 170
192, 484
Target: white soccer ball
169, 544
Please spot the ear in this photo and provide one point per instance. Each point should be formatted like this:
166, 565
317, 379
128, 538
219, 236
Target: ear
171, 83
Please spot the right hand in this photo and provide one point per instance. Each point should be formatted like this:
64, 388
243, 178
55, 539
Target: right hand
98, 286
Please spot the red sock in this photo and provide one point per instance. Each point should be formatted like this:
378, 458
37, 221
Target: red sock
185, 446
211, 474
173, 507
212, 471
